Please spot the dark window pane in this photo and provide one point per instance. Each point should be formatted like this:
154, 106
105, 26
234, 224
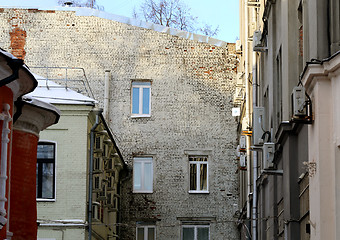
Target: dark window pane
193, 177
45, 151
47, 180
151, 233
188, 233
202, 233
140, 233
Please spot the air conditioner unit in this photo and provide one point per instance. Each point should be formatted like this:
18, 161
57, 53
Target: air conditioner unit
101, 196
96, 211
243, 161
238, 152
258, 119
96, 183
257, 39
268, 151
238, 46
99, 143
110, 182
243, 142
109, 198
97, 165
109, 165
239, 79
299, 102
238, 95
113, 206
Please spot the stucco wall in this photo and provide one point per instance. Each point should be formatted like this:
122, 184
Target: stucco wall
192, 90
70, 136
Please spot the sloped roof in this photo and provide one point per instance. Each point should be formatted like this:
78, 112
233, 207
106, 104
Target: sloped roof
25, 79
51, 92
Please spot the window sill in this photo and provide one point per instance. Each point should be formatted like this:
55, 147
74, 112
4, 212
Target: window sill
140, 116
142, 192
195, 192
45, 200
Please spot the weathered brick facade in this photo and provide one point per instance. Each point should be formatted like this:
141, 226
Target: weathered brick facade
192, 86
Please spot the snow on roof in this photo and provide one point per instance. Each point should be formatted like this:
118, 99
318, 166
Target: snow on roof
83, 11
51, 92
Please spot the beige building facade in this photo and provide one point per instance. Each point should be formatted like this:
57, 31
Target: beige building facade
290, 59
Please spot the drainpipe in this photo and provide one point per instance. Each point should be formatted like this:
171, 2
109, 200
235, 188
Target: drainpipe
6, 118
254, 217
254, 73
248, 140
106, 95
97, 112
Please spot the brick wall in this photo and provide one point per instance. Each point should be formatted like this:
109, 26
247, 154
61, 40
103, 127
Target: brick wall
192, 89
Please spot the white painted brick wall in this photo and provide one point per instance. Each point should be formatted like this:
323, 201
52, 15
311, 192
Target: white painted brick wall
192, 91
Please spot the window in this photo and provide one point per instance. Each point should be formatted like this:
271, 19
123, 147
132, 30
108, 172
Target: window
45, 175
142, 174
141, 99
195, 232
198, 174
146, 232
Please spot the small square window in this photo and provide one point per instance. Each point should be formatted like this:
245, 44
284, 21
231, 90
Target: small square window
143, 175
141, 99
198, 174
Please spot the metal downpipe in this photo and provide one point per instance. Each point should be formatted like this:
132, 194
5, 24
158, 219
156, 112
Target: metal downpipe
254, 210
95, 125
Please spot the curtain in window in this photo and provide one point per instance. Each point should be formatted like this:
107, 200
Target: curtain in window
193, 177
203, 176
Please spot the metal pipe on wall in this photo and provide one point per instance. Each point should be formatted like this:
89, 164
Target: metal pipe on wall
254, 212
106, 94
97, 112
248, 139
6, 118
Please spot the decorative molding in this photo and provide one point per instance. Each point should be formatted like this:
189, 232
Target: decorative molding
35, 118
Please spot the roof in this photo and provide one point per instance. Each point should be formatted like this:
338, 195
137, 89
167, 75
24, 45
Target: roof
83, 11
51, 92
21, 83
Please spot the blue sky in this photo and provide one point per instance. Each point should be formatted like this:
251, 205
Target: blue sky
222, 13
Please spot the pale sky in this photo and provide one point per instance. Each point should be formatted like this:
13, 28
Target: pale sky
222, 13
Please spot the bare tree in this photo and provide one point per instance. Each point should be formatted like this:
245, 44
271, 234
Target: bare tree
172, 13
208, 30
80, 3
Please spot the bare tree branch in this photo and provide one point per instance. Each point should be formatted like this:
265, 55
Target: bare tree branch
172, 13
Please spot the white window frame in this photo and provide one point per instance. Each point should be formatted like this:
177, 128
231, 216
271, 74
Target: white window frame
143, 160
55, 172
146, 227
140, 85
195, 229
198, 183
